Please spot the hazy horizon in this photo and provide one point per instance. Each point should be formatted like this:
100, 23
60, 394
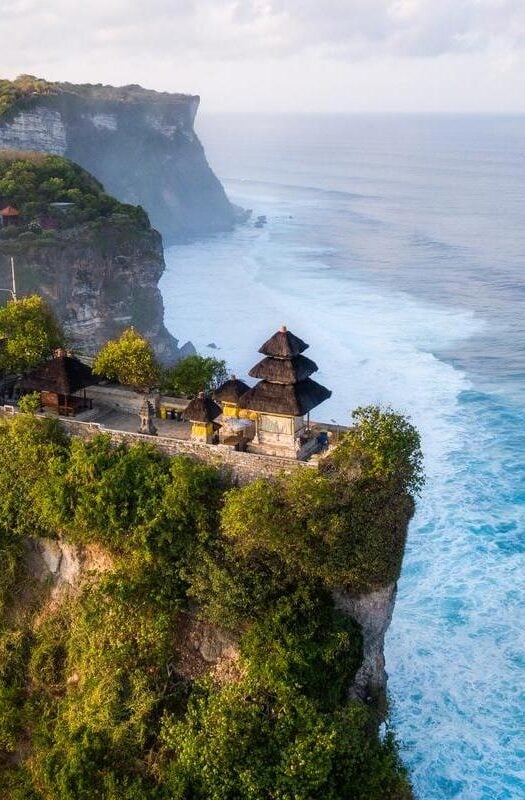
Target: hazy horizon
277, 56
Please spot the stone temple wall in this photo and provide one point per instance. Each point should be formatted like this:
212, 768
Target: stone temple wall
240, 468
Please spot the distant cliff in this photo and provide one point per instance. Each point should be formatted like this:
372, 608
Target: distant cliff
95, 260
139, 143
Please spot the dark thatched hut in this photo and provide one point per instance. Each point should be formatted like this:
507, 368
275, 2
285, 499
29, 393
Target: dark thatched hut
229, 395
202, 412
231, 390
285, 393
58, 380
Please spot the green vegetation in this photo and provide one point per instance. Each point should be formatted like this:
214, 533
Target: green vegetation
192, 375
23, 86
29, 403
96, 699
33, 181
129, 360
30, 331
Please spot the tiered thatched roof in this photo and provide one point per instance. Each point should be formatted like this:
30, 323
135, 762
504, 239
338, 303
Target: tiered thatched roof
231, 390
285, 386
62, 375
295, 400
283, 344
202, 409
284, 370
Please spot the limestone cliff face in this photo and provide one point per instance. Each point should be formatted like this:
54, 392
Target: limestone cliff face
373, 612
202, 647
140, 144
100, 277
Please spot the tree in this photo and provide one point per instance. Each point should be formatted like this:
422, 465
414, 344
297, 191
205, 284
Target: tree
194, 374
129, 360
30, 331
382, 444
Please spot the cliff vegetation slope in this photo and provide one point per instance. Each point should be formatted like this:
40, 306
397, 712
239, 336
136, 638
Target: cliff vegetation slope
95, 260
101, 694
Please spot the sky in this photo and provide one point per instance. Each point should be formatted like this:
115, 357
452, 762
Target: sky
281, 55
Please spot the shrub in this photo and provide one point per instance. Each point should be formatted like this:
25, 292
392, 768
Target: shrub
32, 182
246, 743
29, 403
130, 360
383, 445
193, 374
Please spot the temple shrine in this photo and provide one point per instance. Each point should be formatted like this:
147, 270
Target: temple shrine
283, 397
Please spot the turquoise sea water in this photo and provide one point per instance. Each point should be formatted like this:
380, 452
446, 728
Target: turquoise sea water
395, 246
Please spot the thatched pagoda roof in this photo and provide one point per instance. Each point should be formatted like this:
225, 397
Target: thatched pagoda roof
294, 399
62, 375
284, 370
283, 344
231, 390
202, 409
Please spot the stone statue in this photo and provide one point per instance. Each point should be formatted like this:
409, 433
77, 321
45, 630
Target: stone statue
147, 414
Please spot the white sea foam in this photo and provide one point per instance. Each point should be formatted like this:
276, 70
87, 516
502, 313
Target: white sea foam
455, 648
370, 347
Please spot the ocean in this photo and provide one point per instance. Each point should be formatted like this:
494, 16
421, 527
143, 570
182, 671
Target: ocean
395, 246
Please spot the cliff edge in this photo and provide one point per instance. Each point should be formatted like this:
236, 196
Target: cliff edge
95, 260
139, 143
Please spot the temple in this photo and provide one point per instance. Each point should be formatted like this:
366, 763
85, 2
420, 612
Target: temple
284, 395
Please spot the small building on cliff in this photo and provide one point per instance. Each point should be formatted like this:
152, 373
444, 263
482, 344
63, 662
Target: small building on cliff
58, 380
202, 412
229, 396
9, 216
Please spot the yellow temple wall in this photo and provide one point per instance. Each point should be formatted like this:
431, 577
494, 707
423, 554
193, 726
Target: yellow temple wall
201, 430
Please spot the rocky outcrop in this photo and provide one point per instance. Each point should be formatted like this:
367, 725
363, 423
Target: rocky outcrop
100, 277
140, 144
62, 565
373, 612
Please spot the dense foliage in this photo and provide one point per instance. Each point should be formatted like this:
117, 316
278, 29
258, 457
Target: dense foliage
192, 375
30, 332
22, 86
33, 181
129, 360
95, 697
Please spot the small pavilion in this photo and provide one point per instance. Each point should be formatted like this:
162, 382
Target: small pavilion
58, 381
9, 216
202, 412
229, 395
284, 395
